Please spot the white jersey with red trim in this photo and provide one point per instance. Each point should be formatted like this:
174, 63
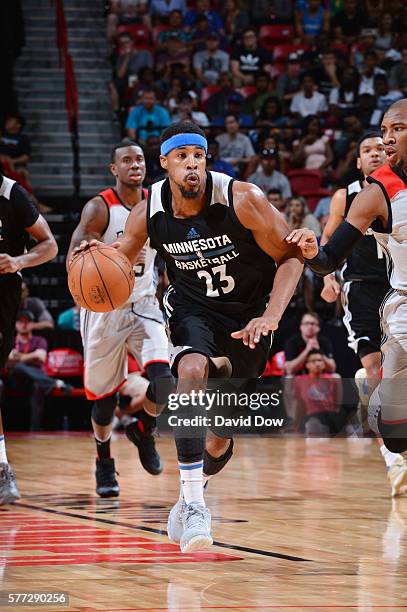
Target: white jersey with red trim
393, 238
146, 278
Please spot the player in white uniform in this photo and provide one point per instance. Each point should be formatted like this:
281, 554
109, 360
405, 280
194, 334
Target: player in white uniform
135, 328
382, 205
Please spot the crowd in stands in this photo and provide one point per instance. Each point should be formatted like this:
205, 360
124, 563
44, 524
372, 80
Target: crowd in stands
284, 90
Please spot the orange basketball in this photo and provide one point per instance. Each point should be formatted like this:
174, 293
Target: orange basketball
100, 278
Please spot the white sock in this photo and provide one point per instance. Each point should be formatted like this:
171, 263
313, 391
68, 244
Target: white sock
3, 456
388, 456
192, 482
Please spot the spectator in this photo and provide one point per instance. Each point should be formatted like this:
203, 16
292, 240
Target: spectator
126, 12
289, 83
210, 64
344, 99
270, 11
298, 215
326, 74
218, 101
310, 20
386, 37
271, 114
175, 53
254, 102
235, 107
323, 208
185, 112
202, 7
70, 318
266, 176
42, 318
369, 71
235, 18
200, 33
146, 79
275, 198
26, 367
347, 24
314, 151
215, 163
128, 65
15, 146
384, 98
148, 118
398, 73
318, 396
249, 59
161, 9
176, 28
308, 101
234, 147
298, 347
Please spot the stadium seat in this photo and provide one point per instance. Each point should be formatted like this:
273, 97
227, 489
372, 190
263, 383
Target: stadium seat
304, 180
247, 91
313, 196
281, 52
272, 35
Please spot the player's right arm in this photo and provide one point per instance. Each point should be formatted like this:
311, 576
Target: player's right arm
337, 208
94, 220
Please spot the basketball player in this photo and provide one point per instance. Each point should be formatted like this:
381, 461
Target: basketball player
223, 244
382, 205
19, 219
137, 327
364, 286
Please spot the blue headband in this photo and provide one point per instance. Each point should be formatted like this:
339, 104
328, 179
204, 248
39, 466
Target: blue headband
183, 140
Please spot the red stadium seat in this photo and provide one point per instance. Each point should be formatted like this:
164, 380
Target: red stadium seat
281, 52
247, 91
304, 180
64, 362
139, 33
272, 35
313, 197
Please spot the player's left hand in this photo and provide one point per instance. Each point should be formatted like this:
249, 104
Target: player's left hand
306, 240
8, 264
254, 330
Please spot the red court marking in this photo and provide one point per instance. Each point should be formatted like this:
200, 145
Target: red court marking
234, 607
61, 543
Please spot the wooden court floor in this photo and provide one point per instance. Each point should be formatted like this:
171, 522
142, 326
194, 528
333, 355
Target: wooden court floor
298, 525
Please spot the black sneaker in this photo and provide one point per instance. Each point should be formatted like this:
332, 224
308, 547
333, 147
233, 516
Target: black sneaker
144, 440
106, 483
8, 486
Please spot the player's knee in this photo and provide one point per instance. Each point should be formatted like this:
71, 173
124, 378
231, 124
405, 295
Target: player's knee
161, 384
103, 410
193, 367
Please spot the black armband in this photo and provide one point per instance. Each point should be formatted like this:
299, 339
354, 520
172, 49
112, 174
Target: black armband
336, 249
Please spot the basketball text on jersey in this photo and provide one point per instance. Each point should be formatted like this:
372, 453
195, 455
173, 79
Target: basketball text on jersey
200, 253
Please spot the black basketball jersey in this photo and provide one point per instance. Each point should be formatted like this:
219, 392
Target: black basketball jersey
367, 261
16, 213
211, 258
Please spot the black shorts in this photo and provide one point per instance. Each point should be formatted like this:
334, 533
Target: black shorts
195, 329
361, 302
10, 288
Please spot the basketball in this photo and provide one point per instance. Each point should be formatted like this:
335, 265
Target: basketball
100, 278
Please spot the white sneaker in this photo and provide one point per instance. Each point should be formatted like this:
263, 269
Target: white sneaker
196, 521
397, 475
175, 527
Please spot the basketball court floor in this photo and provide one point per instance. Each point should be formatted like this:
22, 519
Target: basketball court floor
298, 524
